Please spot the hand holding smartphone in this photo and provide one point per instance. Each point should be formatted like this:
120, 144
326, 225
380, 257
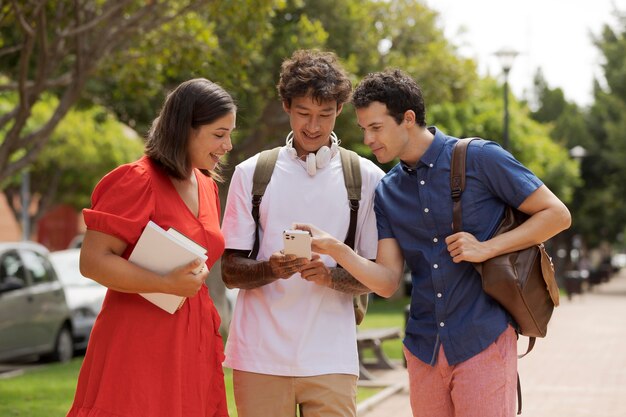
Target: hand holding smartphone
297, 242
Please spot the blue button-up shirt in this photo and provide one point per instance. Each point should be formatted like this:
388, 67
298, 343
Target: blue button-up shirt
414, 206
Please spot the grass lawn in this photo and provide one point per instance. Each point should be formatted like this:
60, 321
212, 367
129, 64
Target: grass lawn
386, 313
47, 391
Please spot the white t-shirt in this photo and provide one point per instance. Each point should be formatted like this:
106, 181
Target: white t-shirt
293, 327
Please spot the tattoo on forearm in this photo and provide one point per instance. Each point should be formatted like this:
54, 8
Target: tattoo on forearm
283, 268
342, 281
238, 271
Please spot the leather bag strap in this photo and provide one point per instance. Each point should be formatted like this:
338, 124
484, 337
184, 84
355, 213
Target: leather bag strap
457, 186
457, 181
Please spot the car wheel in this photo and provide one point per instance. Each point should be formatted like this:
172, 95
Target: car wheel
64, 347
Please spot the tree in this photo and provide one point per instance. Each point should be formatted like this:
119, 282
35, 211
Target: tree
86, 144
339, 26
48, 46
481, 115
598, 215
601, 215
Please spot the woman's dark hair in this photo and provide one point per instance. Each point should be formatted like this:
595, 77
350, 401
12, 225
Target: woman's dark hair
395, 89
316, 74
192, 104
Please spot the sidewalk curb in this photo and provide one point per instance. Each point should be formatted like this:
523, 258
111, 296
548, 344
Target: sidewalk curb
374, 400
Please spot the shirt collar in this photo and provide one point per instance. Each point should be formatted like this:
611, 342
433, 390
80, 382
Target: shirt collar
429, 159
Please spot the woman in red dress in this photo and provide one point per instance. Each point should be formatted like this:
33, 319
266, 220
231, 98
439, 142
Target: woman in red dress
141, 360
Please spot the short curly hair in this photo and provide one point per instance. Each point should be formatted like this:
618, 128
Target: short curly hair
316, 74
395, 89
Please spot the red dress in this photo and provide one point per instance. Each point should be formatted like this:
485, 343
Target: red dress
141, 360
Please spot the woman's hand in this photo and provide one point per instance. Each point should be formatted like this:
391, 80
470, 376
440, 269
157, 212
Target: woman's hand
187, 280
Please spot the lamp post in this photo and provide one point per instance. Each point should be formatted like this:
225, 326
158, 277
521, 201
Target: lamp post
578, 152
506, 57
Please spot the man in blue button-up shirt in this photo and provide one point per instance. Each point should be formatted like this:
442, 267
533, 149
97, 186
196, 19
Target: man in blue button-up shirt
460, 344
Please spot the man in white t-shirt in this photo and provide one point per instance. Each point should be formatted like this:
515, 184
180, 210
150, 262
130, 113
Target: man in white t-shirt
292, 338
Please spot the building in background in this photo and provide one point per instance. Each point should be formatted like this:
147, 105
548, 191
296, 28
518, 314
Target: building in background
55, 230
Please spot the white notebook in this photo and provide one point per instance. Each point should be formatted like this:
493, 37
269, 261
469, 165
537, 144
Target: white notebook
160, 252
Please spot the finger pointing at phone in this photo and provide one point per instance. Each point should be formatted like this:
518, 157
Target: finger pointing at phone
322, 242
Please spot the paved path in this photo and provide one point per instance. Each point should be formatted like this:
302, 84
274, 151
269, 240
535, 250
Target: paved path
579, 370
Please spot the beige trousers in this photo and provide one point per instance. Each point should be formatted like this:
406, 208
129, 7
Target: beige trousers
260, 395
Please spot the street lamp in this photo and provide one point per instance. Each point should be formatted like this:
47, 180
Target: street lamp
506, 57
578, 152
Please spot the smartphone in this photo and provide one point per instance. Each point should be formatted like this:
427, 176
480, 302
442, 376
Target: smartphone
297, 242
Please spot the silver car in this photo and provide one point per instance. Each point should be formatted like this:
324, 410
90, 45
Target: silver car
34, 316
84, 296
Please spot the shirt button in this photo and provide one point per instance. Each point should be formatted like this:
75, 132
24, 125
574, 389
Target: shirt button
435, 266
426, 210
439, 295
435, 240
431, 165
441, 324
422, 182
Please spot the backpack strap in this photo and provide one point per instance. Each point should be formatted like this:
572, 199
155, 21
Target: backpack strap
262, 176
350, 163
457, 181
351, 166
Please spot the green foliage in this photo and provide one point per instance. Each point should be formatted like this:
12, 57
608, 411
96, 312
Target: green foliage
241, 44
49, 391
383, 312
418, 46
44, 392
604, 169
481, 115
600, 195
53, 48
86, 145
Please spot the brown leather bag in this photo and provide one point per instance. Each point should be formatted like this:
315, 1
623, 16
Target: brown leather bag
522, 282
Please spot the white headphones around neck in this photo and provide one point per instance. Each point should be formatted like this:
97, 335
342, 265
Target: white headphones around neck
320, 159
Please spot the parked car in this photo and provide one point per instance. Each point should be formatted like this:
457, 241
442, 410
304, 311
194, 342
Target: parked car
76, 242
34, 316
618, 261
84, 296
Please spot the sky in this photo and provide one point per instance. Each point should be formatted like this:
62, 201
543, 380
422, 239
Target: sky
554, 35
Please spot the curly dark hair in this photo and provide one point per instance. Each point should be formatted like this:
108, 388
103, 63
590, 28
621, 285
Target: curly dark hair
395, 89
316, 74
